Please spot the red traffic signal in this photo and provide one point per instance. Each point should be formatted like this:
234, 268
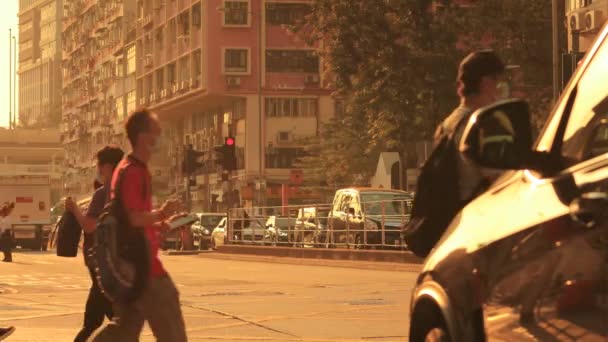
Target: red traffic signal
229, 141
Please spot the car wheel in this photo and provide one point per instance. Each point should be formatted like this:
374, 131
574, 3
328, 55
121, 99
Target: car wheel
213, 247
428, 325
203, 245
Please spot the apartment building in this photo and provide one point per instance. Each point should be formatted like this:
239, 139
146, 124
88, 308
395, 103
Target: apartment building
216, 68
39, 62
584, 19
98, 73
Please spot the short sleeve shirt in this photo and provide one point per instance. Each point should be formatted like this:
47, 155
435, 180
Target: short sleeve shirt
98, 202
136, 194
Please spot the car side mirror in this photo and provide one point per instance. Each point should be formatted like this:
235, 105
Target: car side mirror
351, 211
499, 136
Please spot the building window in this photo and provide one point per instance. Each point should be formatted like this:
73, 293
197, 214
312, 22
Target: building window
283, 158
236, 13
286, 14
131, 103
236, 61
131, 59
305, 61
290, 107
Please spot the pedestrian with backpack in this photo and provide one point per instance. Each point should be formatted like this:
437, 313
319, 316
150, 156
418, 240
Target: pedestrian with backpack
97, 306
157, 301
448, 180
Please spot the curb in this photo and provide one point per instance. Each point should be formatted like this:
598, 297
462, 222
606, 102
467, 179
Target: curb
195, 252
362, 265
321, 253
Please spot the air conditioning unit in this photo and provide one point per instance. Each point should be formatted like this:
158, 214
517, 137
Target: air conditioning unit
575, 21
148, 61
284, 137
183, 85
153, 97
142, 101
593, 20
233, 81
175, 88
311, 79
163, 93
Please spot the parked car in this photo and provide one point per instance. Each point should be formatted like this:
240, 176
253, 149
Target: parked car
202, 229
218, 235
527, 259
254, 230
311, 227
368, 216
279, 230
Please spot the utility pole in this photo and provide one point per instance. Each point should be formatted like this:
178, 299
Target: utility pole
10, 78
555, 38
15, 83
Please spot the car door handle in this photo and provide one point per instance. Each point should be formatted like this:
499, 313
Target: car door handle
589, 208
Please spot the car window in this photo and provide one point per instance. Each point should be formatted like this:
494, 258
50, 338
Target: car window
346, 201
338, 203
587, 112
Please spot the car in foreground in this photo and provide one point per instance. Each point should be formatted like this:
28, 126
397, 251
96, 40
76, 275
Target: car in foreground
527, 259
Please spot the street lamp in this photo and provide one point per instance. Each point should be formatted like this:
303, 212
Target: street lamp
258, 15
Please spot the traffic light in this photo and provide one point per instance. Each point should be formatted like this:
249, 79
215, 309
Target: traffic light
226, 154
191, 162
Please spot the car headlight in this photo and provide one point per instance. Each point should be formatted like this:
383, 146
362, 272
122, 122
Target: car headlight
206, 231
371, 225
282, 233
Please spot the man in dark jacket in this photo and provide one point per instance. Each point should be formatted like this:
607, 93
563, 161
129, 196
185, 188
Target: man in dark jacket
479, 83
97, 305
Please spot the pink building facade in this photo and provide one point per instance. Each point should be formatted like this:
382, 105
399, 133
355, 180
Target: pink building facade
218, 68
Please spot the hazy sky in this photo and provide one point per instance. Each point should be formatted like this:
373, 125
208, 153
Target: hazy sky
8, 20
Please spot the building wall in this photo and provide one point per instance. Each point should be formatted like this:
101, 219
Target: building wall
39, 61
98, 72
576, 20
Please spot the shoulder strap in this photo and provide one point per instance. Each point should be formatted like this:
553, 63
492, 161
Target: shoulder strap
119, 181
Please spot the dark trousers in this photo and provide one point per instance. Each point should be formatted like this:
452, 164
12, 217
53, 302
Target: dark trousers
97, 307
6, 244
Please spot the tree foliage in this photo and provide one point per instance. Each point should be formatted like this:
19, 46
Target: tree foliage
393, 66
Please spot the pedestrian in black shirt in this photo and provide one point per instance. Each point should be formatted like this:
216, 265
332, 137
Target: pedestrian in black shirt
97, 305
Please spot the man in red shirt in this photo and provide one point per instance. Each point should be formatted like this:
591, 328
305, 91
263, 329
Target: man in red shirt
159, 302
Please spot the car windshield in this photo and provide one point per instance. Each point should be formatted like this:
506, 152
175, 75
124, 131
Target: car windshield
210, 221
394, 203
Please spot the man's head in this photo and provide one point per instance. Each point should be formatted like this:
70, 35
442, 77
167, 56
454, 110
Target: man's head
107, 160
479, 76
143, 131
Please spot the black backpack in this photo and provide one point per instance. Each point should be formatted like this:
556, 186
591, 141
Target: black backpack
120, 255
68, 235
437, 199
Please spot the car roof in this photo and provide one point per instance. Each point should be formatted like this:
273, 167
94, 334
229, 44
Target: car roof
211, 214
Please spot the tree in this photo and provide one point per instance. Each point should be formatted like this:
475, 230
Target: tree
394, 63
520, 31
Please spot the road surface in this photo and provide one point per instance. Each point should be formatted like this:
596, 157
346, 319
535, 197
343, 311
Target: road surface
223, 300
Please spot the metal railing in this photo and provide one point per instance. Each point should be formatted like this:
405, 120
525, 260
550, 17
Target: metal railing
377, 224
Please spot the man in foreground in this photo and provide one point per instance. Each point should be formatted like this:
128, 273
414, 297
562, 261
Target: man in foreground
158, 304
97, 305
